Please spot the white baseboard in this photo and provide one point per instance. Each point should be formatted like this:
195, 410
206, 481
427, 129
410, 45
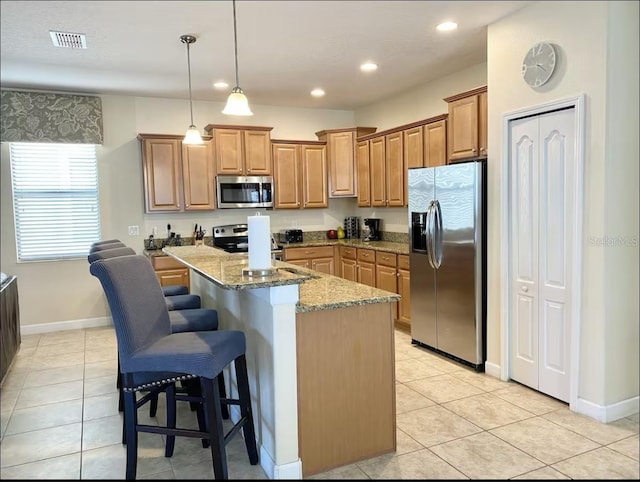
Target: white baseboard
65, 325
292, 471
492, 369
608, 413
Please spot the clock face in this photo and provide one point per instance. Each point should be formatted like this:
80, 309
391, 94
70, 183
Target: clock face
538, 64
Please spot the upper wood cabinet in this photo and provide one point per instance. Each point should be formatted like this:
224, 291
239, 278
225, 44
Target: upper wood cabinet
177, 177
341, 154
299, 174
467, 130
242, 150
363, 173
386, 170
435, 143
425, 144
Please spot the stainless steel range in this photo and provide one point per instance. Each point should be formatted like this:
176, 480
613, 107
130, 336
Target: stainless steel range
233, 238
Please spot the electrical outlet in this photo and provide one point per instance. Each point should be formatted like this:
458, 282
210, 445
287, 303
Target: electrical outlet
134, 231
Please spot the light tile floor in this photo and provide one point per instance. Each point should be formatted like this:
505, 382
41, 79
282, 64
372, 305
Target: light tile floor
59, 420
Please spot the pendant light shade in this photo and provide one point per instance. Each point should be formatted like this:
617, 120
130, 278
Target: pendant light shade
192, 135
237, 103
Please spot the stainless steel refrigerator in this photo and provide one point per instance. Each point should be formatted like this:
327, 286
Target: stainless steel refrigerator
447, 246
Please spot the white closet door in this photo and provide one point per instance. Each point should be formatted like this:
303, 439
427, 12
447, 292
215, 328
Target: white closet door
524, 251
543, 175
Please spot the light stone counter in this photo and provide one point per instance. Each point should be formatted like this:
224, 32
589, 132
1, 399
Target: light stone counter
318, 291
398, 248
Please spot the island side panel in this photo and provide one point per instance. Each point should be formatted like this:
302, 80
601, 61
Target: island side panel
346, 385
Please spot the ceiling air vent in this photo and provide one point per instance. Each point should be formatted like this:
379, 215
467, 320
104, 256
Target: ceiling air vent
69, 40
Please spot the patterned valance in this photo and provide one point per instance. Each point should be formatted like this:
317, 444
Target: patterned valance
46, 117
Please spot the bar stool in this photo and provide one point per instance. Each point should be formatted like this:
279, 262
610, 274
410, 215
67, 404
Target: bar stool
191, 318
152, 357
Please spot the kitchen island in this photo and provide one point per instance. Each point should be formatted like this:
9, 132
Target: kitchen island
320, 355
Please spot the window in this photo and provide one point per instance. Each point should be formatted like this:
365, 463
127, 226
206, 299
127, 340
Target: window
55, 200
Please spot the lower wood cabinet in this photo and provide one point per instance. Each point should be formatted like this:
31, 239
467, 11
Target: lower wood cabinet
404, 290
170, 272
367, 267
319, 258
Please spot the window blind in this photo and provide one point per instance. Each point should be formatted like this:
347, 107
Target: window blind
55, 200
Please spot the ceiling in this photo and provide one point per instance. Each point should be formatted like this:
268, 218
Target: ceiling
285, 48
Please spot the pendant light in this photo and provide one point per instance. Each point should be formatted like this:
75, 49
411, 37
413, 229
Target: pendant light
193, 134
237, 103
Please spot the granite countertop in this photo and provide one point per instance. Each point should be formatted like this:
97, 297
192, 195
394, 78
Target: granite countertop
318, 291
398, 248
225, 269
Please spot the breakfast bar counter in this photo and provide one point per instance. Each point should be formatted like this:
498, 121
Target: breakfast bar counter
320, 356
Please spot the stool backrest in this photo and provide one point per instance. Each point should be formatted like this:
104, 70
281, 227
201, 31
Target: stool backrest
110, 253
102, 247
105, 241
138, 309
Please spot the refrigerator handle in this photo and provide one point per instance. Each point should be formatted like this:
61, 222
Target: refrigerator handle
437, 235
429, 234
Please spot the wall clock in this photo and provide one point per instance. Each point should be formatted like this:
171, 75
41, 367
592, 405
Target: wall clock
538, 64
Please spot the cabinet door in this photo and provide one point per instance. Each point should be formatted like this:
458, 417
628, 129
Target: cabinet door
171, 277
413, 148
435, 143
341, 163
404, 290
394, 164
198, 177
363, 173
349, 269
161, 169
286, 176
324, 265
228, 146
367, 273
482, 123
463, 128
257, 153
314, 176
386, 279
378, 173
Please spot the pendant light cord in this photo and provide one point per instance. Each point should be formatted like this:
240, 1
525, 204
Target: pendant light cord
189, 70
235, 41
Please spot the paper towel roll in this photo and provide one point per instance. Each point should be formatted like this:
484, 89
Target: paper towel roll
259, 242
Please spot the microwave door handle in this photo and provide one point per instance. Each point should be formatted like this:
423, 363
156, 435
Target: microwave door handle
437, 235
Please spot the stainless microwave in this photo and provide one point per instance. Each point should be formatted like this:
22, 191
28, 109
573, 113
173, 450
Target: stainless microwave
244, 191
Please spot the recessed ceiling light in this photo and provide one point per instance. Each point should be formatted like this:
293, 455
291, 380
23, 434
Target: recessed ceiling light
369, 67
317, 92
220, 85
447, 26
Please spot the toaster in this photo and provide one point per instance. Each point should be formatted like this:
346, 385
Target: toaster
290, 236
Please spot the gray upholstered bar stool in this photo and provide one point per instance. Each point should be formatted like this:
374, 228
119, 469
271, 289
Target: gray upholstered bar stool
182, 320
152, 357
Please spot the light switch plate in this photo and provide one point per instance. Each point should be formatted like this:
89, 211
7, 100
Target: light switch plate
134, 231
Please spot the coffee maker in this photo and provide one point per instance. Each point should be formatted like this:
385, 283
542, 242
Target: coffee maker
371, 230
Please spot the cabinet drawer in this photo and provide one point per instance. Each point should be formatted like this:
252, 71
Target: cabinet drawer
310, 252
403, 261
165, 262
348, 253
385, 258
366, 255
